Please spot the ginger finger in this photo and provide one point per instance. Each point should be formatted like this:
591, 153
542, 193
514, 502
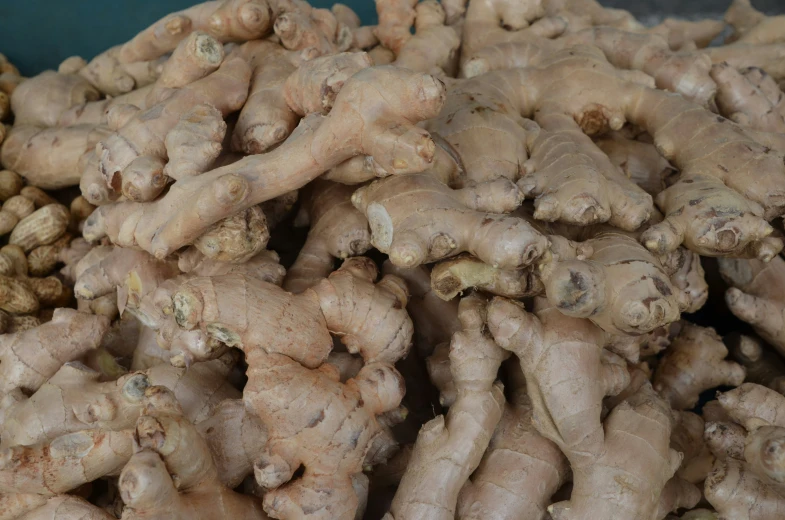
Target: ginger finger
337, 230
755, 296
506, 241
694, 362
458, 440
165, 225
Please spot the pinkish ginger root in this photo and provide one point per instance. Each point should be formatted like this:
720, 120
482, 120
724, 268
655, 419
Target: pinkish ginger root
238, 310
755, 296
632, 488
751, 26
31, 357
315, 32
360, 120
498, 488
60, 92
750, 97
337, 230
763, 365
265, 119
328, 431
594, 279
687, 438
49, 157
549, 338
747, 479
227, 21
449, 449
74, 399
450, 221
174, 476
686, 136
435, 320
694, 362
434, 46
133, 158
736, 492
572, 418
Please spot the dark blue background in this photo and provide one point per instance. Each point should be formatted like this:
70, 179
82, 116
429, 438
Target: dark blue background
39, 34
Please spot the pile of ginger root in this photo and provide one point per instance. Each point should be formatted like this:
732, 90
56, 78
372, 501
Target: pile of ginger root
233, 283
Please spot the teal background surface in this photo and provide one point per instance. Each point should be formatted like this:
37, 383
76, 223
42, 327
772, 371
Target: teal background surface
39, 34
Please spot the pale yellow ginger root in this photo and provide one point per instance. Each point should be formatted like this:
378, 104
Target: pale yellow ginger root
396, 17
174, 476
694, 362
520, 471
594, 280
31, 357
49, 157
359, 123
449, 278
566, 412
315, 32
755, 296
763, 365
752, 26
736, 492
251, 314
328, 430
60, 92
434, 46
750, 97
337, 230
136, 153
75, 399
638, 160
449, 449
226, 21
64, 463
475, 221
265, 119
